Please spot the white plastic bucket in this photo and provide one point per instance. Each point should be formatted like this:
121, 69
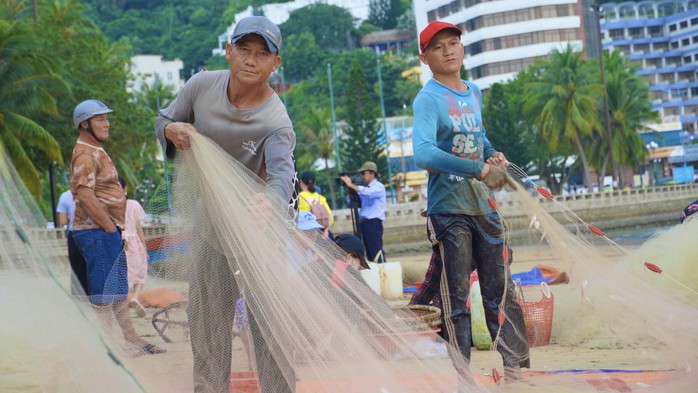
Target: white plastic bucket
372, 277
390, 280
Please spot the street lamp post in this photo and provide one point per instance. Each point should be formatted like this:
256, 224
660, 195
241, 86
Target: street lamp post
385, 130
338, 163
651, 146
602, 72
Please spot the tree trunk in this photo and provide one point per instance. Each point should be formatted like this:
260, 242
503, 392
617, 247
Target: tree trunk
585, 163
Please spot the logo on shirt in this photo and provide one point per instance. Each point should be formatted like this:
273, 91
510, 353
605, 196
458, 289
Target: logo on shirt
250, 146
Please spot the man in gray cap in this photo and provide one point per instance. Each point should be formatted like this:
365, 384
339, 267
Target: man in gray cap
238, 110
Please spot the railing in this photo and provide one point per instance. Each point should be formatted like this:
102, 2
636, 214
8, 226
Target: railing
647, 200
408, 214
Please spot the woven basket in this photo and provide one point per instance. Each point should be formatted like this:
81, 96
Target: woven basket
417, 314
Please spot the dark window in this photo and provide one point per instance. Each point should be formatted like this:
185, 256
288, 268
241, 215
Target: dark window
687, 60
672, 27
674, 45
655, 31
685, 42
635, 32
475, 48
694, 21
684, 24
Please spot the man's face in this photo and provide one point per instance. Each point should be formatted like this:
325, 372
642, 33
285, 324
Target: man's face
367, 176
250, 60
444, 54
100, 127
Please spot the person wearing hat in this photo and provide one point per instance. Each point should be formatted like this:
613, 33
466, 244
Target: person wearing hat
450, 142
353, 261
372, 212
98, 221
238, 110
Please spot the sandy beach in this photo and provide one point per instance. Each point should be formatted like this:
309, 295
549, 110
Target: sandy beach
543, 358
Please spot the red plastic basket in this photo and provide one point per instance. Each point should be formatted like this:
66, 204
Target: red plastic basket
538, 316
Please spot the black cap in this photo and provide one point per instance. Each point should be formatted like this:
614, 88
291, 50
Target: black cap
308, 177
352, 244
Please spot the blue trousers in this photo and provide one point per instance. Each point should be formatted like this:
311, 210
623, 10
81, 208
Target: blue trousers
372, 235
106, 264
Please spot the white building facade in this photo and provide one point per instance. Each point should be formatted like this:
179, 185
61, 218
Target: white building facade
503, 37
146, 69
279, 13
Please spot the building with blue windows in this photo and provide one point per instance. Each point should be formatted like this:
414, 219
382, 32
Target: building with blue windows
504, 37
662, 36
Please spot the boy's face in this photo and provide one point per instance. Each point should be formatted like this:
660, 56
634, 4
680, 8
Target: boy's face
444, 54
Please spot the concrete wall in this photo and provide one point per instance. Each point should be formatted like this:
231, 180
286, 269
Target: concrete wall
405, 230
614, 212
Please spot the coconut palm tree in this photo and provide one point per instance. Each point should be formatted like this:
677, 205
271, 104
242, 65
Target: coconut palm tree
316, 127
26, 85
629, 107
563, 102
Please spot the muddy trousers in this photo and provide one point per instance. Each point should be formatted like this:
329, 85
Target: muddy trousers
213, 292
459, 240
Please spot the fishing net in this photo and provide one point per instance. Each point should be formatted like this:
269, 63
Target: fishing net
313, 324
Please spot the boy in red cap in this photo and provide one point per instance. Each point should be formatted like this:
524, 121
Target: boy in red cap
450, 142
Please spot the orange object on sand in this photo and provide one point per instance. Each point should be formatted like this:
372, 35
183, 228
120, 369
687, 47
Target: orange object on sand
161, 297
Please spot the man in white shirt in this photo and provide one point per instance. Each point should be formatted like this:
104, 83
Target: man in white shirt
66, 213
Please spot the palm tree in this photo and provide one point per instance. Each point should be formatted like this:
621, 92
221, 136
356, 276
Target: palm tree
316, 126
563, 102
26, 85
629, 107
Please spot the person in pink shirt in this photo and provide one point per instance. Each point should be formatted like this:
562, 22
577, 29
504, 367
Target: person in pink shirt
136, 251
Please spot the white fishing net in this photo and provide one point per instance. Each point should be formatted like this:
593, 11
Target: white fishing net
315, 324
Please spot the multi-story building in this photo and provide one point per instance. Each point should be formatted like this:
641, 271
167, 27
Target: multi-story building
662, 36
503, 37
146, 69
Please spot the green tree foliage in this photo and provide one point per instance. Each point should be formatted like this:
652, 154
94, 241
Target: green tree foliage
332, 26
96, 68
630, 107
317, 129
302, 56
385, 13
507, 130
563, 102
27, 82
83, 65
362, 139
173, 28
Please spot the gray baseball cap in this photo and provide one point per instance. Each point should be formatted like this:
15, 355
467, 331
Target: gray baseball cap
261, 26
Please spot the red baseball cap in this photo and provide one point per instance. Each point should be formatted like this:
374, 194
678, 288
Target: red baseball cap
433, 29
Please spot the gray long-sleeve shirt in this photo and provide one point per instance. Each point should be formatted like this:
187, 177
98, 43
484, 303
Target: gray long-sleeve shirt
261, 138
